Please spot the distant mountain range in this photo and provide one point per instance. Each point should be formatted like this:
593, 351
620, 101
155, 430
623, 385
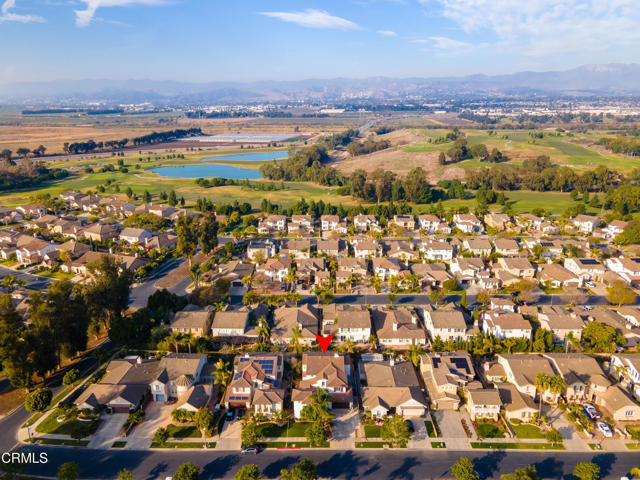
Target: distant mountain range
610, 79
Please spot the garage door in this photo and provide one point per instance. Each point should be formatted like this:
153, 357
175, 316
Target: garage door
412, 412
159, 398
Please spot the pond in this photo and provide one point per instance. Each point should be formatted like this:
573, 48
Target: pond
208, 170
249, 157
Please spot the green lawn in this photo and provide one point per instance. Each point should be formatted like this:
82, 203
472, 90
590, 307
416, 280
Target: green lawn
56, 274
633, 446
68, 443
526, 430
51, 425
290, 445
119, 444
438, 445
517, 446
182, 445
488, 430
372, 444
430, 430
183, 431
296, 429
372, 431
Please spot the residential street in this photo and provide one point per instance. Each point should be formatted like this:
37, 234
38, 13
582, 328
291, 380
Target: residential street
35, 282
348, 464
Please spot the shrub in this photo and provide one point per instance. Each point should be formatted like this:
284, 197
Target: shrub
71, 376
38, 400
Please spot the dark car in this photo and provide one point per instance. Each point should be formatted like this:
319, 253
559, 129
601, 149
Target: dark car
230, 415
252, 449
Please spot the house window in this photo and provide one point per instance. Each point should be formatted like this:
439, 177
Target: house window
629, 413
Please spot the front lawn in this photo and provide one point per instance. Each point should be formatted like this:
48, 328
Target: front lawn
489, 430
57, 274
373, 445
67, 426
430, 430
272, 430
517, 446
527, 430
183, 431
372, 431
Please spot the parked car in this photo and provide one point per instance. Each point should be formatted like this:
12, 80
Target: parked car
590, 284
230, 415
590, 410
240, 413
587, 308
250, 450
605, 429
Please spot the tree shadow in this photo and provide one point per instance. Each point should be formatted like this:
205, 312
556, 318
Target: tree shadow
220, 466
273, 469
550, 468
489, 464
157, 471
403, 470
344, 465
605, 461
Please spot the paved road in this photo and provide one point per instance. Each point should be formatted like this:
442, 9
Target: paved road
373, 465
35, 282
10, 424
140, 294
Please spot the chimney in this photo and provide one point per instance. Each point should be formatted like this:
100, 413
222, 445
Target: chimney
414, 319
336, 355
395, 326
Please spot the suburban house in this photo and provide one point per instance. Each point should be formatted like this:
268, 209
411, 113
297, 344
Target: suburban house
273, 223
521, 370
287, 319
506, 246
586, 268
561, 323
195, 321
32, 209
627, 268
329, 222
582, 375
332, 248
347, 323
429, 223
385, 268
100, 232
364, 223
478, 246
328, 371
516, 405
614, 228
446, 324
501, 324
301, 224
135, 235
617, 403
404, 221
230, 323
586, 223
161, 241
499, 221
437, 250
391, 388
466, 269
517, 266
626, 369
261, 249
431, 274
557, 276
397, 327
34, 251
483, 403
468, 223
257, 383
275, 269
176, 375
367, 248
444, 373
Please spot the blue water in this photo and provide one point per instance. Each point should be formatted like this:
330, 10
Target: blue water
254, 157
209, 170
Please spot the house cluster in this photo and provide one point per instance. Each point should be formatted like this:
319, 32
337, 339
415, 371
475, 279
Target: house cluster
86, 228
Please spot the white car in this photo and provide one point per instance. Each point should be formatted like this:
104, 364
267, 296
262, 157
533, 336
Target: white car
587, 308
590, 284
590, 410
605, 429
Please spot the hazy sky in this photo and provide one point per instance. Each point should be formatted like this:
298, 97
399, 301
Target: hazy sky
207, 40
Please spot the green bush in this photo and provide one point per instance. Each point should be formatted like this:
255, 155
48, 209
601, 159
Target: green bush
38, 400
71, 376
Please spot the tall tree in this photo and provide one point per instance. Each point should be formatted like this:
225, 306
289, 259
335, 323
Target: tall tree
208, 232
463, 469
187, 231
107, 292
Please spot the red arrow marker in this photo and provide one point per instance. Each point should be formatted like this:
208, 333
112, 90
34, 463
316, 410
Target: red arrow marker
324, 341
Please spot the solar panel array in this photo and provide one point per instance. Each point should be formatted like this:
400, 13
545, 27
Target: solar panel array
239, 398
266, 365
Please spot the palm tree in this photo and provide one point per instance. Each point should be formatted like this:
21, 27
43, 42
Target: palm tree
373, 341
222, 373
375, 283
296, 336
349, 346
248, 281
542, 384
264, 330
557, 385
8, 282
194, 273
176, 340
635, 471
414, 353
509, 343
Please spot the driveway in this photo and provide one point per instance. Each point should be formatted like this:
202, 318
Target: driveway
344, 429
450, 423
157, 414
109, 431
230, 436
572, 440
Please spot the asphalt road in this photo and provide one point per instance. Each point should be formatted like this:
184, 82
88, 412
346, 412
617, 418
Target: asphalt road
35, 282
140, 293
369, 464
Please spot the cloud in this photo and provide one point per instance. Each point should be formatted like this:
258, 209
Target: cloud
6, 15
312, 18
545, 27
446, 43
84, 17
387, 33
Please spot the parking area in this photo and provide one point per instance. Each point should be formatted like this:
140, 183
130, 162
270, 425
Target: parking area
450, 423
157, 414
110, 430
